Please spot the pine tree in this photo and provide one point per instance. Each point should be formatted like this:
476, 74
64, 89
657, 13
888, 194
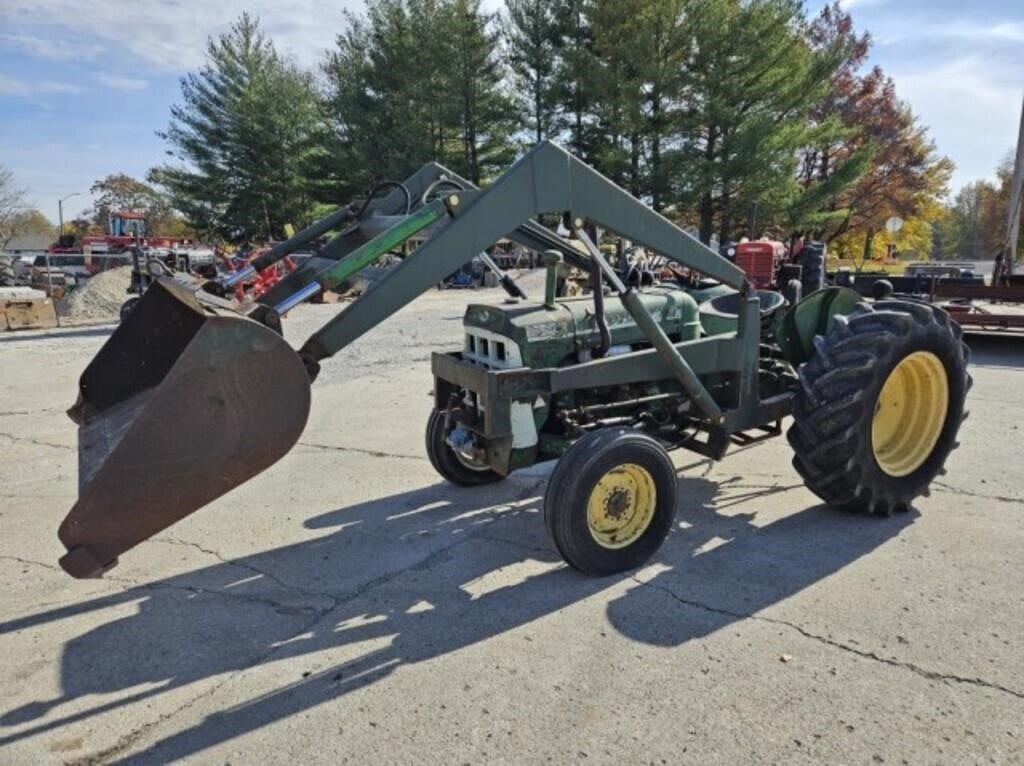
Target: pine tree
745, 114
576, 72
534, 48
249, 135
484, 112
640, 50
415, 80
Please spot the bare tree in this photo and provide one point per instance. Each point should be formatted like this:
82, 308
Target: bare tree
12, 202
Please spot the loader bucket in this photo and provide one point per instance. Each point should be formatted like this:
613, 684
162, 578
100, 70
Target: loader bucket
183, 403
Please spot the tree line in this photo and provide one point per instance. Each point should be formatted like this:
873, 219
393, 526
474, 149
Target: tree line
973, 227
733, 117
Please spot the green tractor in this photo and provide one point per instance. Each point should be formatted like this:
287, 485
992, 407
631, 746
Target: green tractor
605, 384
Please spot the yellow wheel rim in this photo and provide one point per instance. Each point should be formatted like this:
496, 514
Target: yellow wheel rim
621, 506
909, 414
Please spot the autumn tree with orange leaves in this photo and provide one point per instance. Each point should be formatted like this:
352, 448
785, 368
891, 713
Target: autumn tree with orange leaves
876, 139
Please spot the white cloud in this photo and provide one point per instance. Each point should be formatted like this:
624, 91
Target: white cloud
11, 87
958, 29
848, 4
120, 82
171, 35
1013, 31
972, 107
60, 49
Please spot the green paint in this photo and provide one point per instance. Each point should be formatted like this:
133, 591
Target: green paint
812, 316
383, 243
556, 336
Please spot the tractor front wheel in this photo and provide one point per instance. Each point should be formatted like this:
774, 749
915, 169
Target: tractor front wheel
610, 501
456, 468
879, 405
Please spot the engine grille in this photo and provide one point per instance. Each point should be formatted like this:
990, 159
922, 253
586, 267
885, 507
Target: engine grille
488, 349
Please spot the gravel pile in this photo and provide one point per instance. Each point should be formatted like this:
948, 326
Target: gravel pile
100, 297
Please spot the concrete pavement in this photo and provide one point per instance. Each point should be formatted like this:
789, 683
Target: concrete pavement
348, 606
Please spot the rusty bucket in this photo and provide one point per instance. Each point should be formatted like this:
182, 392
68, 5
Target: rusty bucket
184, 402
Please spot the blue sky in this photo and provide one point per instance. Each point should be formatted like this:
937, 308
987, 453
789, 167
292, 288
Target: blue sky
84, 85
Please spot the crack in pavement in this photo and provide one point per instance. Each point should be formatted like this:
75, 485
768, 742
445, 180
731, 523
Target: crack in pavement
370, 452
30, 440
242, 565
133, 737
941, 487
193, 589
30, 562
931, 675
32, 412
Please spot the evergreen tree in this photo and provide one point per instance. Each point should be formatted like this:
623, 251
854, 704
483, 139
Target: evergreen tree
484, 115
415, 80
746, 108
576, 72
640, 51
533, 41
249, 135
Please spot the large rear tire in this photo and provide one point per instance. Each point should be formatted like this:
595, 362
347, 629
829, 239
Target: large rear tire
812, 272
610, 501
447, 462
879, 406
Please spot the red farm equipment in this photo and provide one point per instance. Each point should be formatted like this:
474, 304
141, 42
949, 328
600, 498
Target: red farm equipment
760, 261
123, 227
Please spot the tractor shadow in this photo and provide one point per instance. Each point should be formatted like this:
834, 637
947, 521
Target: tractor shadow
489, 569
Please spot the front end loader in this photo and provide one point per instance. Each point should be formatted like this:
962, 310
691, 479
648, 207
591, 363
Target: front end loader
605, 384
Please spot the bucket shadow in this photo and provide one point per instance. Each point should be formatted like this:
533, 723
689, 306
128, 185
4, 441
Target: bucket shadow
490, 570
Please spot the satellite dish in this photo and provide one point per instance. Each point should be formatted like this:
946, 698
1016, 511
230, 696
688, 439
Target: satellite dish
893, 225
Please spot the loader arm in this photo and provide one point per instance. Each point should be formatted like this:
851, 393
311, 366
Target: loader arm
547, 180
377, 214
382, 215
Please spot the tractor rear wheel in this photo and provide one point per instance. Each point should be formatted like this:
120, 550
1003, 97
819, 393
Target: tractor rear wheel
879, 405
454, 467
812, 273
610, 501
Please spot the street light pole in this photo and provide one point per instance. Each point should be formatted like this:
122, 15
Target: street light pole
60, 210
49, 269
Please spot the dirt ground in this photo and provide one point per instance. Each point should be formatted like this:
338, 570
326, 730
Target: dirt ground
346, 606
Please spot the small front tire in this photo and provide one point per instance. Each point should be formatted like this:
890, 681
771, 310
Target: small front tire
611, 501
446, 462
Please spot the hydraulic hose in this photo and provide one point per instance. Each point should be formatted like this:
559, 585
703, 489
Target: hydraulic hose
381, 187
440, 182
